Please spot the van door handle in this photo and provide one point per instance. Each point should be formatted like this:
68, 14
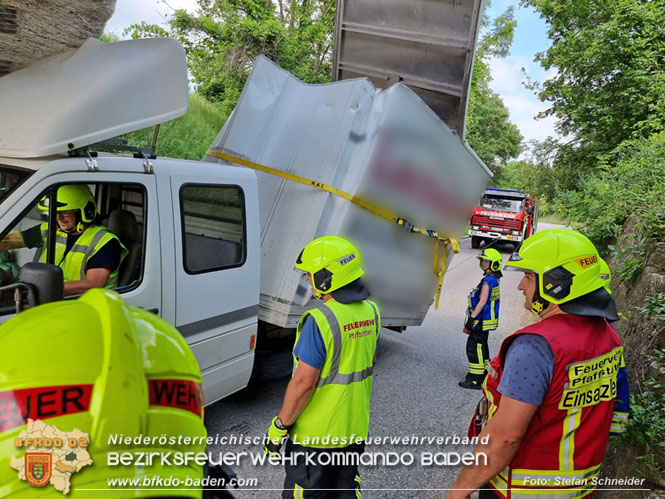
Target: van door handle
153, 310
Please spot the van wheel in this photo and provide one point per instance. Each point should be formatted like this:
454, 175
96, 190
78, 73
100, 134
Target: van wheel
269, 365
475, 242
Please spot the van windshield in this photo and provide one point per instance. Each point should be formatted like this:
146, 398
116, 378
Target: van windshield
514, 205
10, 178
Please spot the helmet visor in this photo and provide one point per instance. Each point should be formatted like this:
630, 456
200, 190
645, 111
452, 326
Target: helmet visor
513, 262
299, 266
45, 202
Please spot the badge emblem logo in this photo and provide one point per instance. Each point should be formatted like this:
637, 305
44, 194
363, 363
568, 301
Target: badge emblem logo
38, 468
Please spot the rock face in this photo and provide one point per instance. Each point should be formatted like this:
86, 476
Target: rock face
640, 336
33, 29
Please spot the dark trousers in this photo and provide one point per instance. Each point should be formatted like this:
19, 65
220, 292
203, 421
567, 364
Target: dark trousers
486, 493
478, 354
313, 480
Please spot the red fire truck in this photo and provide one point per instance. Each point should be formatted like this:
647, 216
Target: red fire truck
503, 214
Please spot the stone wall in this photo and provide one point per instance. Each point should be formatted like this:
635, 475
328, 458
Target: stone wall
33, 29
639, 336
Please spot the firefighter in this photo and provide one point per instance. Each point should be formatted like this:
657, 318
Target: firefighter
114, 372
88, 253
326, 405
482, 317
558, 387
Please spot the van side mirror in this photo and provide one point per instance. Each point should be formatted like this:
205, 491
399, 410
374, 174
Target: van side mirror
38, 283
529, 209
48, 281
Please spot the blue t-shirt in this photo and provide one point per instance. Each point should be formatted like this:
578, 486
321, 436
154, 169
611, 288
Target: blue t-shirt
528, 369
310, 347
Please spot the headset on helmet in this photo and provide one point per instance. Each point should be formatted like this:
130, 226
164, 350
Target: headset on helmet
566, 262
74, 197
493, 256
333, 262
115, 368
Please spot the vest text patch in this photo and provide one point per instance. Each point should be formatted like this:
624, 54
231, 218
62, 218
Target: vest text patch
592, 381
358, 324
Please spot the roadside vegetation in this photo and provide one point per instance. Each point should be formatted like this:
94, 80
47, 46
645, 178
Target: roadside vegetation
605, 177
187, 137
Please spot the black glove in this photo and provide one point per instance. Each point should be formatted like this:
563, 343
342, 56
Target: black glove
469, 326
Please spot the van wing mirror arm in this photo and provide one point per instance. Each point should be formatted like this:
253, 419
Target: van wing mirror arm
25, 295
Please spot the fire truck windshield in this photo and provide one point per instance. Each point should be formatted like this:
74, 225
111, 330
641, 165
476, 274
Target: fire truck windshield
503, 204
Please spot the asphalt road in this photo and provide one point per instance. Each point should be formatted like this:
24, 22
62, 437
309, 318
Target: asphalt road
415, 395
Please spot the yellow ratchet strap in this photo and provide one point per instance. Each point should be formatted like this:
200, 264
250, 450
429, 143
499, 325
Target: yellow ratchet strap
439, 263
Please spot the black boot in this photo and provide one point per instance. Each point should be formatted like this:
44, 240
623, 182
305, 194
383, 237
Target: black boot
471, 385
472, 382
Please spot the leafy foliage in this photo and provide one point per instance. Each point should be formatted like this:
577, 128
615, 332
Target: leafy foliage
109, 37
654, 307
488, 129
634, 187
525, 176
224, 37
187, 137
631, 260
646, 424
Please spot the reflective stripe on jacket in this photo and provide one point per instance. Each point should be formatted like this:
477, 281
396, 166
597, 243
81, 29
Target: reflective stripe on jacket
337, 413
565, 442
490, 312
74, 262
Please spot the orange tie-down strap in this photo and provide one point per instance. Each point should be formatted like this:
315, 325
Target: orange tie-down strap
440, 255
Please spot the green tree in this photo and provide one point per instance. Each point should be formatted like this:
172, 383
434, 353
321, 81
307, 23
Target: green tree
522, 175
109, 37
488, 129
542, 154
633, 187
224, 37
609, 58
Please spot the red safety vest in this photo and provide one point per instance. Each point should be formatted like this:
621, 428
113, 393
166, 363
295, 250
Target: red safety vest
566, 440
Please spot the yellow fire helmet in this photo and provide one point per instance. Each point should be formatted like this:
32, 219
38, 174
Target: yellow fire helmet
567, 264
493, 256
82, 383
73, 197
332, 261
